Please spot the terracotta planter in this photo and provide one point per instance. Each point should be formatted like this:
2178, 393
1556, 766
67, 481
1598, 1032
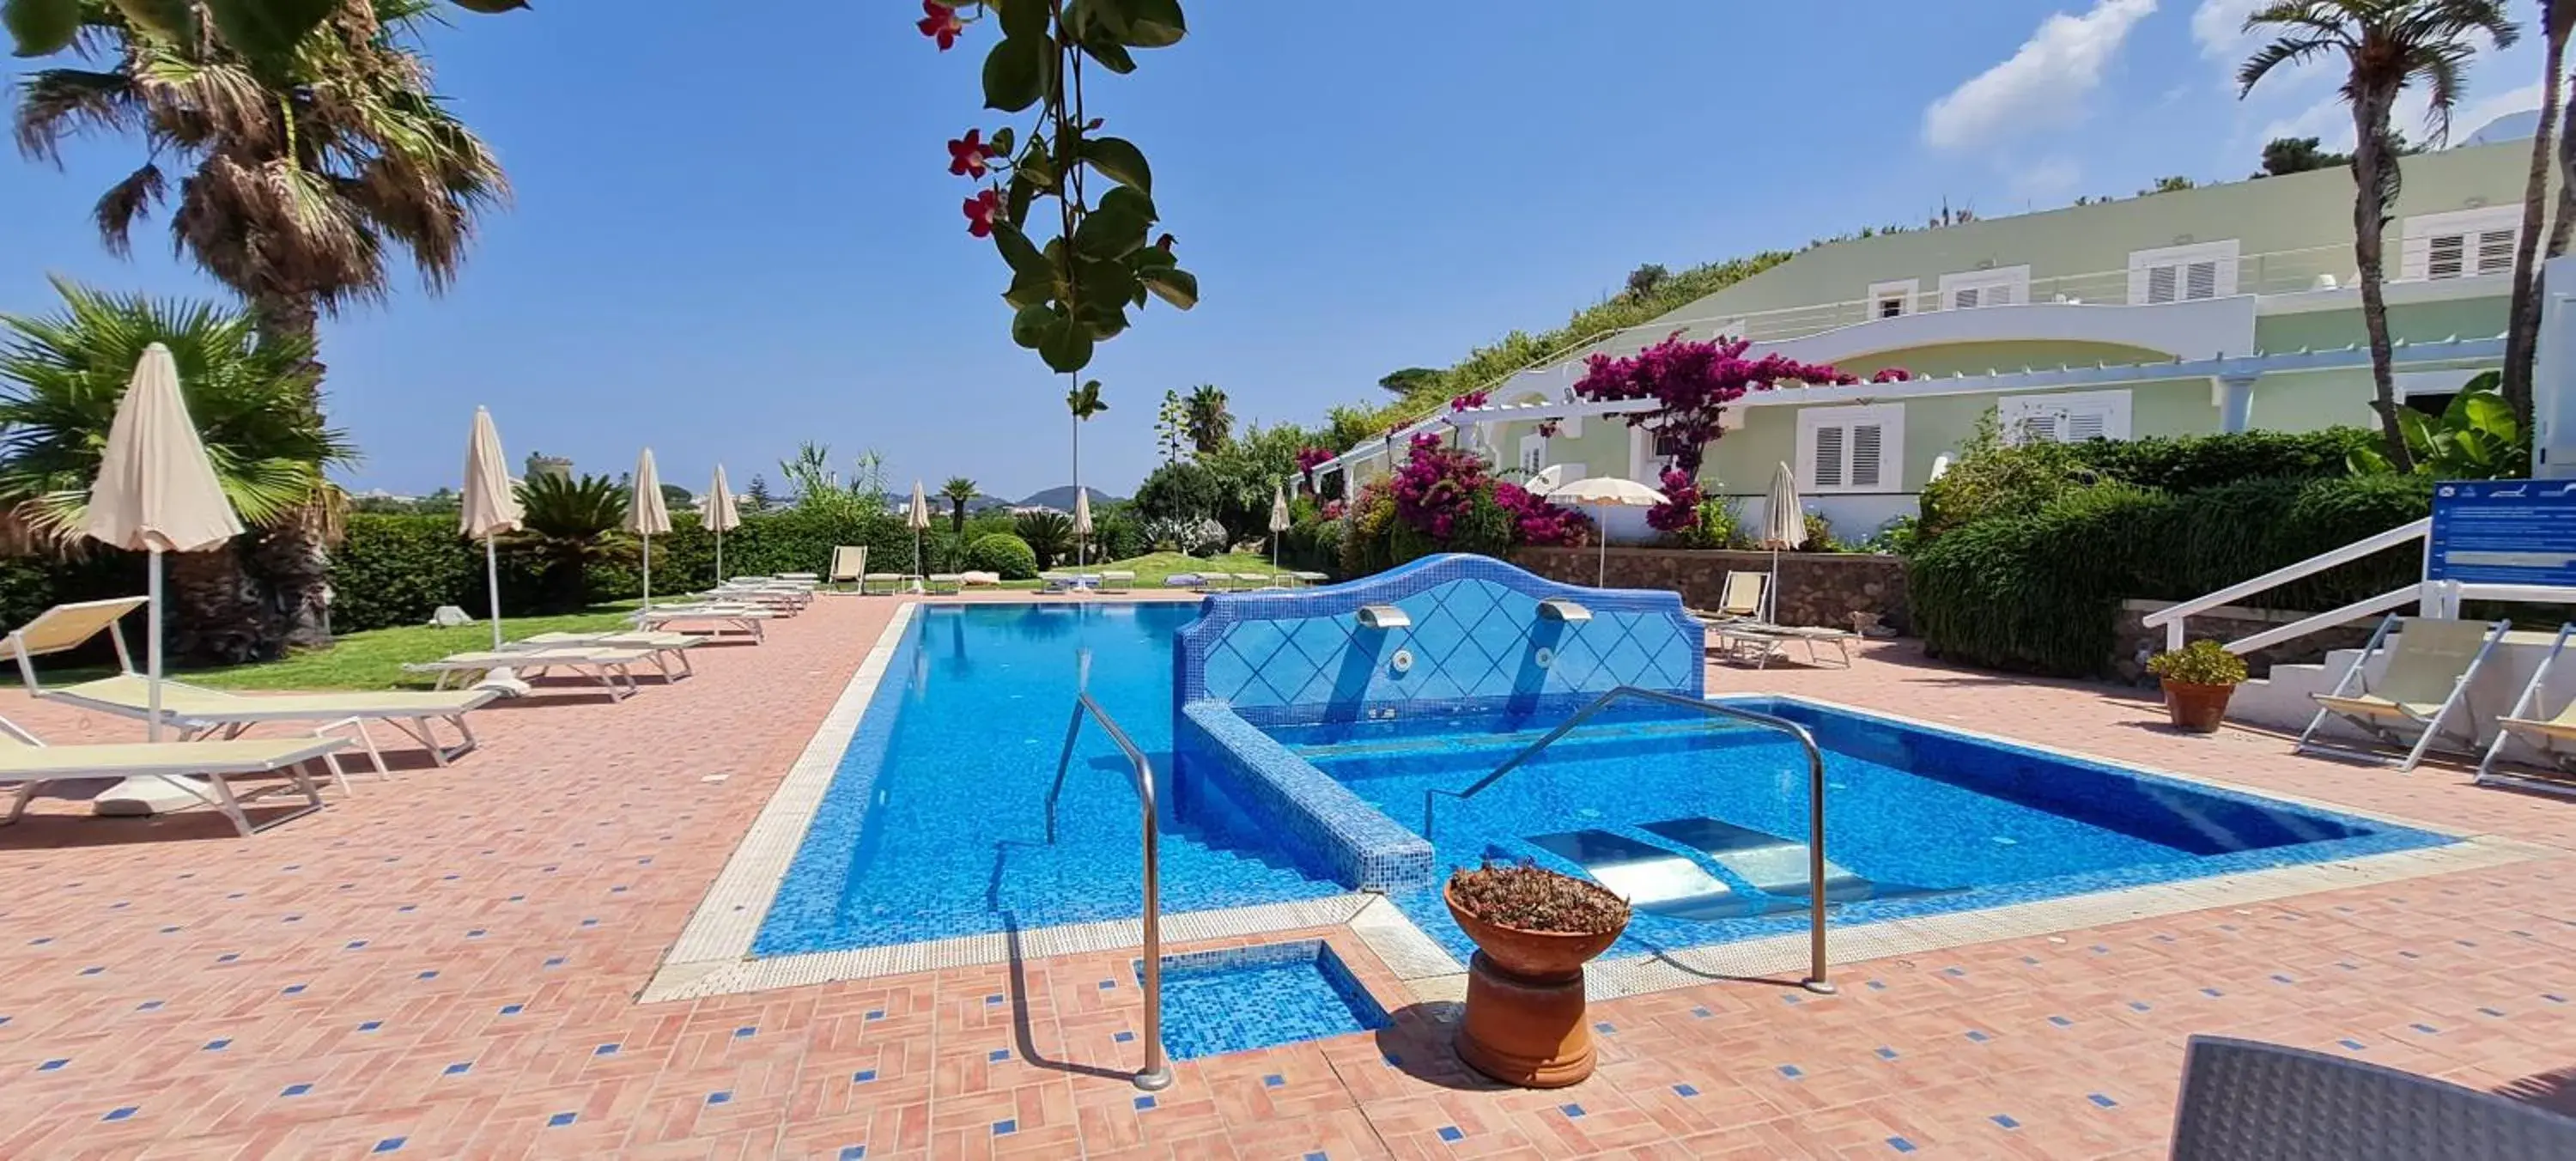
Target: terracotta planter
2197, 708
1525, 1020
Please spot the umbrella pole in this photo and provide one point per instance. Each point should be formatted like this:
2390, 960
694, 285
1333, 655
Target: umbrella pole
152, 649
720, 557
492, 582
1771, 592
1601, 572
648, 570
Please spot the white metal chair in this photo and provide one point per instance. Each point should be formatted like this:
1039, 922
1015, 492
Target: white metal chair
2550, 736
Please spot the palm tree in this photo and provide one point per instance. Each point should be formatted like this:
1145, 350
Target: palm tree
2386, 46
568, 525
2522, 331
1049, 534
301, 176
1084, 402
1206, 419
60, 379
959, 492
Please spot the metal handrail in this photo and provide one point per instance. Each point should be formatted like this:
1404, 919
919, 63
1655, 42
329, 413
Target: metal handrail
2171, 617
1815, 981
1157, 1073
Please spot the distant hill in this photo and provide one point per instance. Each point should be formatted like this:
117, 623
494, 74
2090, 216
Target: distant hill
1061, 498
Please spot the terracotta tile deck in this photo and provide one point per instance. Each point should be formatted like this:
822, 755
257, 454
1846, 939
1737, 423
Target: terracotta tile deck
444, 965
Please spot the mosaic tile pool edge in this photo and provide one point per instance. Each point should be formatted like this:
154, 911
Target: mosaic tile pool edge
1317, 820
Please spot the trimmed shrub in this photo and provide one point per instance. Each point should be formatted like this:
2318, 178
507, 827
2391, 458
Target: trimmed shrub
397, 570
1002, 553
1992, 479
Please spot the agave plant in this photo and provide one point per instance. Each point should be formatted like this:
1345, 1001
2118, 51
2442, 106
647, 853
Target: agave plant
569, 525
251, 396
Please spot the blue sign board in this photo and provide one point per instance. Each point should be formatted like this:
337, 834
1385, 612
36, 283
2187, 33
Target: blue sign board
2504, 532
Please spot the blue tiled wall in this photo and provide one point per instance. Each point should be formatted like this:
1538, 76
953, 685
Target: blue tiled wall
1477, 645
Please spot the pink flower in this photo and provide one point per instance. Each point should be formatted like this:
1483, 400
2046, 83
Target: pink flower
1693, 382
967, 155
980, 211
1469, 400
939, 22
1892, 375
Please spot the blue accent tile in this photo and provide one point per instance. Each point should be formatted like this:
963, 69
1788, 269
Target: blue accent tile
1108, 985
2103, 1101
1124, 1037
228, 957
2141, 1006
54, 1065
1605, 1027
998, 1055
854, 1153
559, 1120
353, 945
744, 1032
993, 1000
295, 1090
120, 1113
91, 971
2061, 1021
556, 961
2005, 1120
427, 975
147, 1006
1684, 1090
863, 1076
2351, 1043
371, 1025
217, 1045
723, 1097
1977, 1036
2212, 993
2426, 1029
1005, 1128
1954, 972
387, 1145
876, 1014
604, 1050
461, 1066
1900, 1144
1143, 1103
1887, 1054
513, 1009
1701, 1013
1791, 1071
2279, 978
1571, 1111
1876, 986
291, 990
2491, 1012
1317, 1155
1788, 997
1452, 1133
477, 933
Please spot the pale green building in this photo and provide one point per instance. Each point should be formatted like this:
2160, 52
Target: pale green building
2220, 308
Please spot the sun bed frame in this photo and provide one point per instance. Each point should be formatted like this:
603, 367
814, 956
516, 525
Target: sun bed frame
613, 668
1760, 641
2374, 714
849, 565
668, 649
32, 766
198, 712
740, 619
2522, 721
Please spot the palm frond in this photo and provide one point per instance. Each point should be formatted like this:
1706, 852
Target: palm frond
57, 103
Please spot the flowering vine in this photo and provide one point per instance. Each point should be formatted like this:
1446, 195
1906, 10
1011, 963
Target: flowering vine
1308, 459
1470, 400
1547, 429
1072, 288
1693, 382
1436, 485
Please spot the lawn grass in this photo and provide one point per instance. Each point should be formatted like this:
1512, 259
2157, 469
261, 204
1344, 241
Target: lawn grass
1153, 568
374, 659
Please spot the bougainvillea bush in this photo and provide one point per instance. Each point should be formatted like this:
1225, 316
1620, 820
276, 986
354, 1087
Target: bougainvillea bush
1442, 499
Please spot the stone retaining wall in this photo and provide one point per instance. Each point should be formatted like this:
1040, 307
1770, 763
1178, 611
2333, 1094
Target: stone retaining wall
1816, 588
2137, 642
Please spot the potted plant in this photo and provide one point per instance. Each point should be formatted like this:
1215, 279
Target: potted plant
1534, 930
2197, 680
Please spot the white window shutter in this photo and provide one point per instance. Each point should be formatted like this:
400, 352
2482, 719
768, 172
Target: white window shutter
1830, 461
1964, 297
2495, 251
2445, 256
2088, 423
2200, 280
1867, 447
2160, 284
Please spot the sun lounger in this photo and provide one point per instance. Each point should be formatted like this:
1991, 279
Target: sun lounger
2554, 738
1068, 582
1741, 599
1311, 578
743, 620
786, 601
1117, 580
849, 566
1758, 641
612, 668
890, 582
807, 579
1255, 580
977, 579
199, 712
944, 580
669, 650
2425, 683
86, 771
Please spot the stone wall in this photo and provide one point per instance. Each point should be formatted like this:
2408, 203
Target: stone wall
1816, 588
2137, 642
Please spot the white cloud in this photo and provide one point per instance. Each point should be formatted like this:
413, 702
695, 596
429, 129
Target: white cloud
2042, 85
2218, 26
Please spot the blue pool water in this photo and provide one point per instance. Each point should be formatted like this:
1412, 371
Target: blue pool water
934, 825
1243, 998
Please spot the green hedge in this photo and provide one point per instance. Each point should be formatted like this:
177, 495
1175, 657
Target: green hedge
2039, 592
1003, 554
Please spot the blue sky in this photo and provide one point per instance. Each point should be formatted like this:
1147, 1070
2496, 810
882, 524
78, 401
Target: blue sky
726, 243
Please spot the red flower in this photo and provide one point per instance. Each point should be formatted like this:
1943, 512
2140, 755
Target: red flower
980, 210
939, 22
967, 154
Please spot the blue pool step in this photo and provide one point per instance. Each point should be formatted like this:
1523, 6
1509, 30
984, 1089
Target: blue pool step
1672, 884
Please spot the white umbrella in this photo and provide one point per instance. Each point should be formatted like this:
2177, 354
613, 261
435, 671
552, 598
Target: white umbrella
645, 515
1603, 493
156, 492
917, 518
721, 517
1278, 519
489, 507
1784, 525
1548, 479
1081, 522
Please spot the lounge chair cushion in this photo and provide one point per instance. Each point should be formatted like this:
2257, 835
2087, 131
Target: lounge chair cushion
2374, 706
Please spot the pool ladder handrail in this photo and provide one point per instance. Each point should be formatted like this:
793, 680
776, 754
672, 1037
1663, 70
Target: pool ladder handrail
1157, 1073
1816, 980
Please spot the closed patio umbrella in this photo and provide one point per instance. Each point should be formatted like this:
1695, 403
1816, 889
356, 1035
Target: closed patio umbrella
489, 506
1784, 526
722, 516
1278, 519
156, 492
1081, 522
1602, 493
646, 515
917, 518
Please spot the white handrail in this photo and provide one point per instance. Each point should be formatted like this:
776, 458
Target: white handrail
2355, 611
2172, 617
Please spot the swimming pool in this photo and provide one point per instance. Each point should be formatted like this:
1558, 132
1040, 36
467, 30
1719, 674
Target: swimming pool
934, 822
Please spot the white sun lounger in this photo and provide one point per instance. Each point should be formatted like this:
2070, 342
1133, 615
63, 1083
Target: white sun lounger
849, 566
2425, 683
1758, 641
785, 601
200, 712
890, 582
745, 620
1741, 599
1117, 580
668, 649
950, 581
85, 771
612, 668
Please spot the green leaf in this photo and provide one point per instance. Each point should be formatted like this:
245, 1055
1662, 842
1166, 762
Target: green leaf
1037, 164
1176, 286
41, 27
1112, 229
2487, 414
1022, 17
1110, 280
1111, 55
1017, 250
267, 28
1015, 204
1034, 323
1154, 23
170, 20
1093, 18
1066, 348
1003, 140
1121, 161
491, 7
1017, 72
1029, 289
1103, 318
